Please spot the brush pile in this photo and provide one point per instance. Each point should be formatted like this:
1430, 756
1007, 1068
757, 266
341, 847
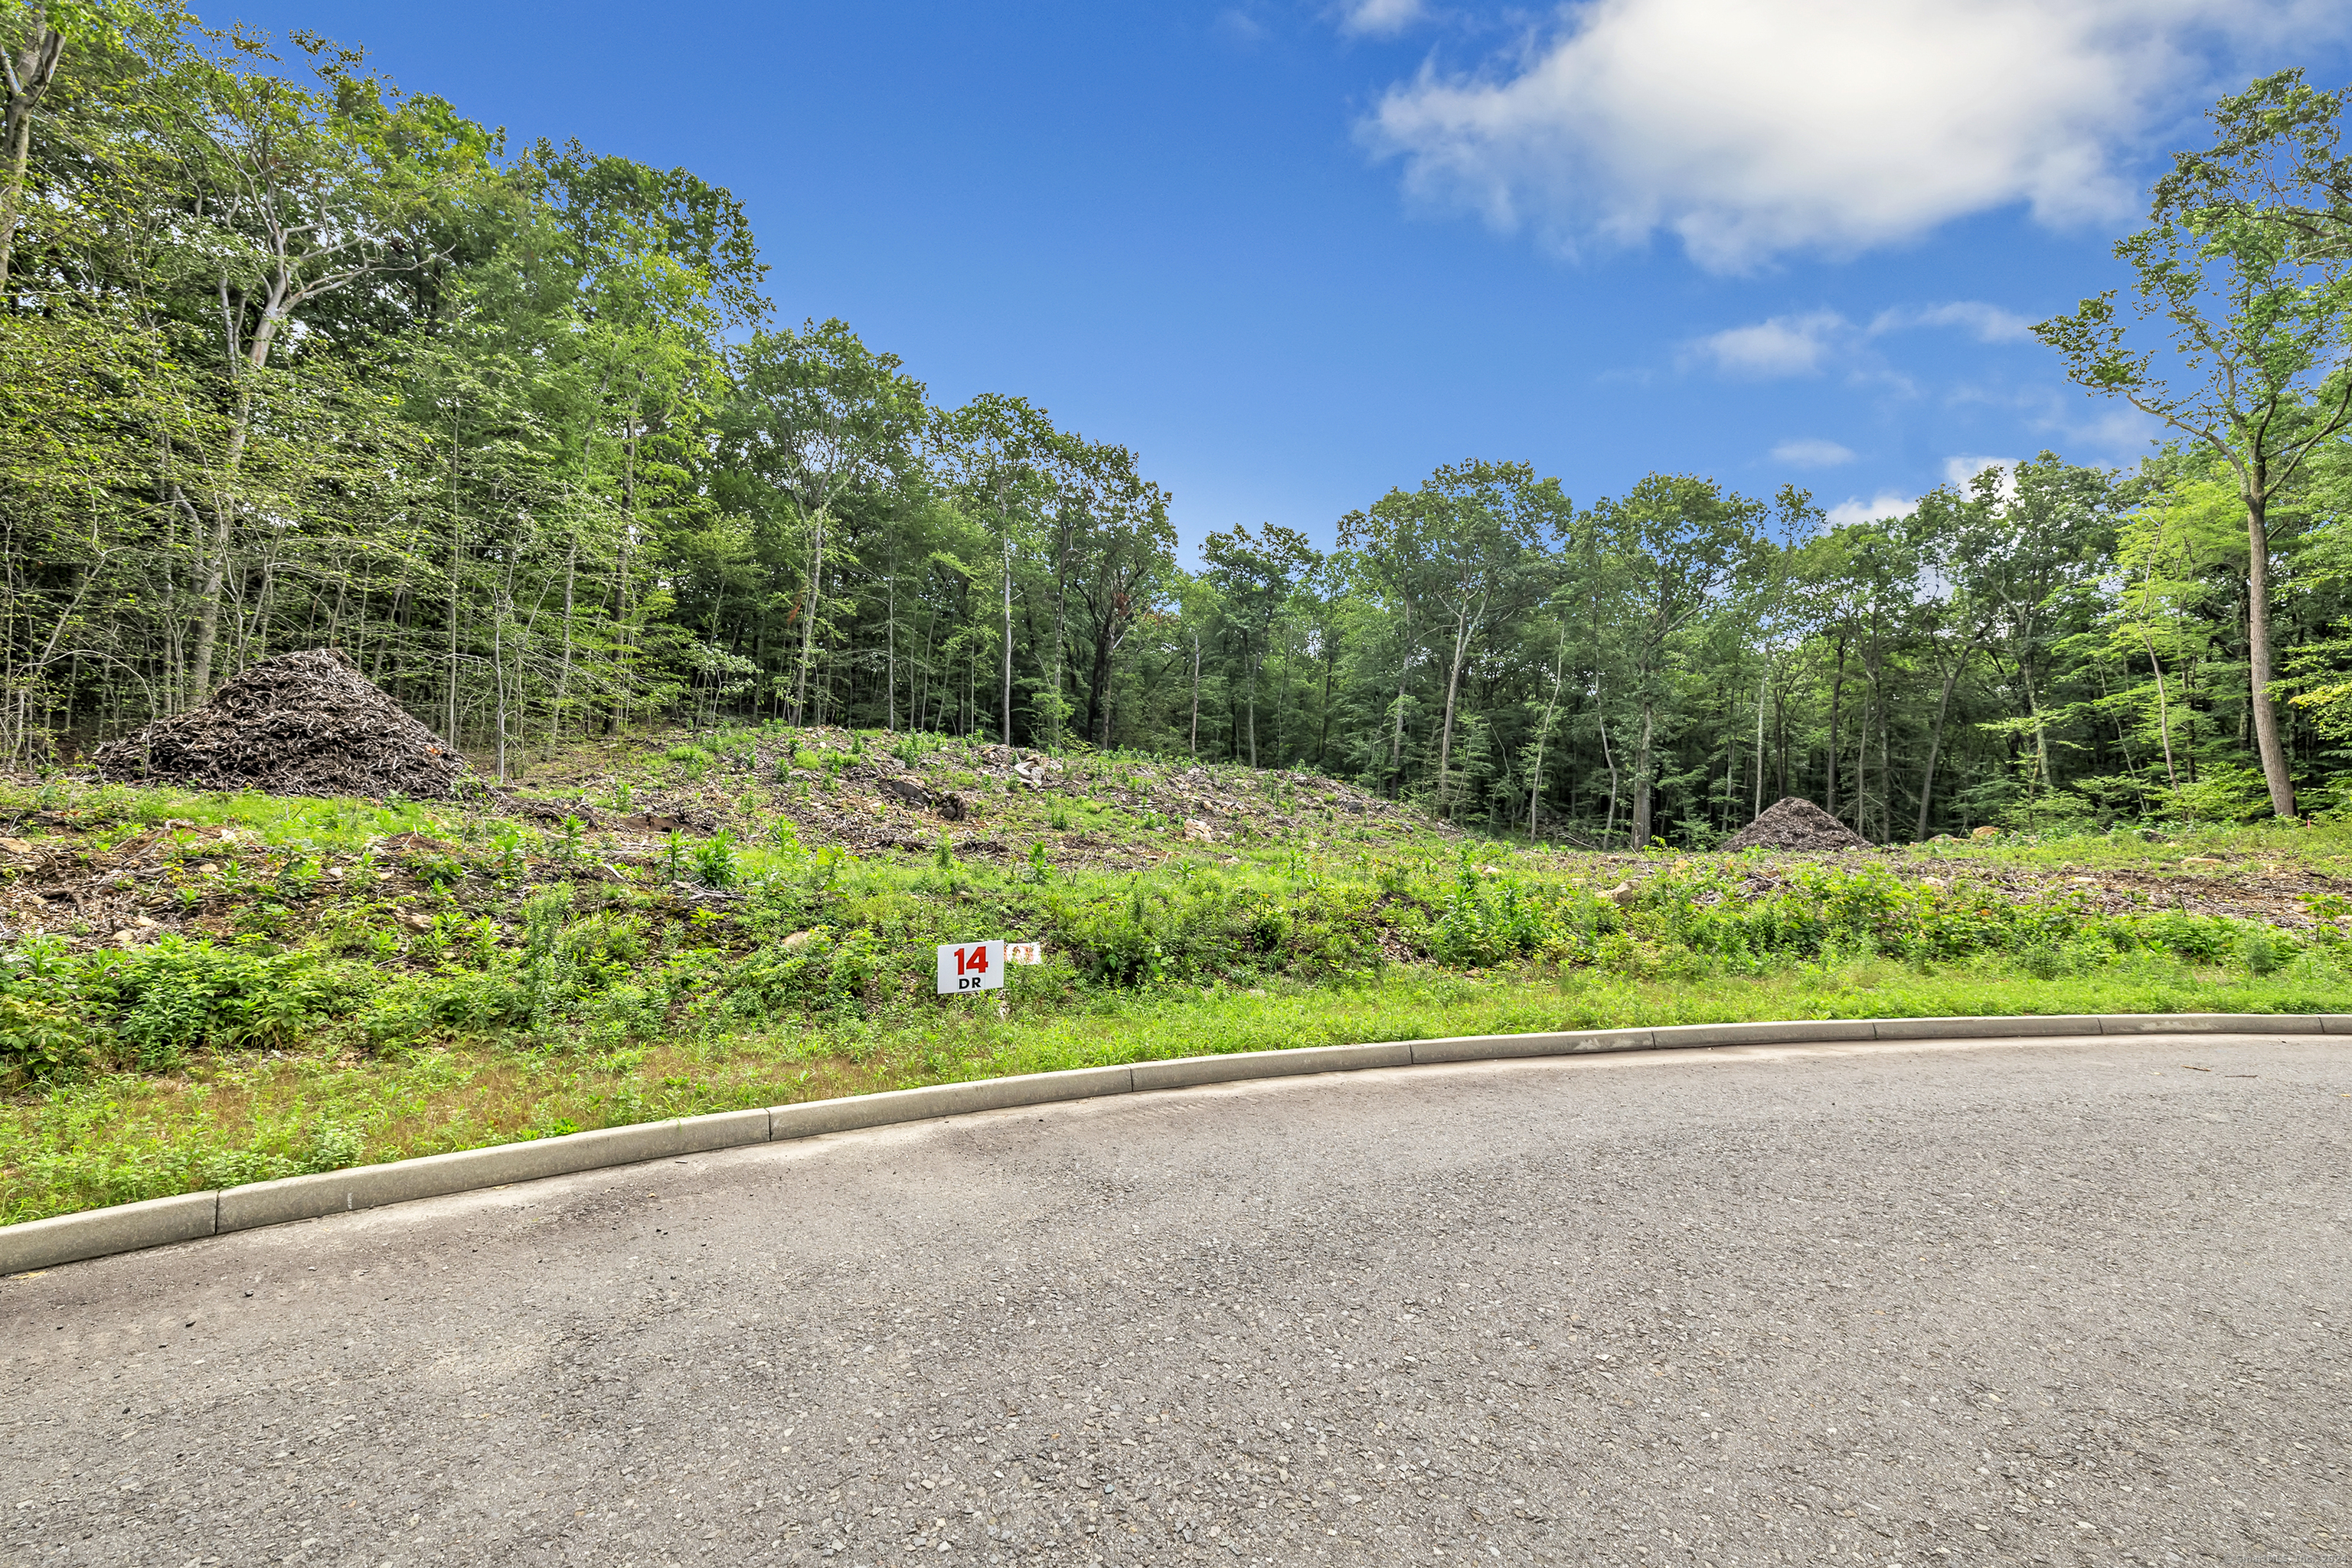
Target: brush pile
301, 724
1796, 824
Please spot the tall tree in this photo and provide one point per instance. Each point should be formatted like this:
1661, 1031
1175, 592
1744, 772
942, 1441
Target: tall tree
2245, 273
816, 413
1672, 547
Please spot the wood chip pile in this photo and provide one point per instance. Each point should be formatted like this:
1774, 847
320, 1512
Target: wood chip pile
301, 724
1796, 824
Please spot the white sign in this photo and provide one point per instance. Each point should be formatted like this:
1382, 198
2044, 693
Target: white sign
1024, 952
972, 966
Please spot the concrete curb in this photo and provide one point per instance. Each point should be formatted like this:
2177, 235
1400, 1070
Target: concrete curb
159, 1222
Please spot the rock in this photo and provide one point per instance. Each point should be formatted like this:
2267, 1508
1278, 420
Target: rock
414, 919
952, 807
16, 845
2084, 881
1619, 895
1987, 831
1199, 832
1033, 772
909, 790
2204, 860
798, 940
1938, 883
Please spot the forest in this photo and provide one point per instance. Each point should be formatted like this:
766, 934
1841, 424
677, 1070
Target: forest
294, 358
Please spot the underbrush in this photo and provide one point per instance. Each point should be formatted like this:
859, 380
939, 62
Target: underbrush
222, 1118
586, 966
330, 994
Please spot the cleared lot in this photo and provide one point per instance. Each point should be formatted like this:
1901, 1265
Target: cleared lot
2081, 1301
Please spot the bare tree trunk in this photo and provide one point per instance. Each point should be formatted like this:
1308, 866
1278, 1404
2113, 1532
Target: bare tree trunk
808, 617
1059, 674
1936, 739
1886, 778
1609, 760
2258, 657
1837, 695
29, 73
1730, 757
2163, 712
1639, 809
1763, 683
1552, 708
1464, 629
456, 538
563, 671
1251, 654
499, 670
2033, 711
1005, 527
1862, 768
1195, 743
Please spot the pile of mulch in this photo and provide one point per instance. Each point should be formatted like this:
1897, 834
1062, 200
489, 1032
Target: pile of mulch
1796, 824
301, 724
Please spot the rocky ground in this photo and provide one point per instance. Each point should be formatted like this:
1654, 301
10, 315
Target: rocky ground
102, 868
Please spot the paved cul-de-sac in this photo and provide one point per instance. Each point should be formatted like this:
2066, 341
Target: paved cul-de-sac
2075, 1301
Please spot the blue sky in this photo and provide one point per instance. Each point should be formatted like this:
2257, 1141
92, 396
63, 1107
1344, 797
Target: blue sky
1295, 253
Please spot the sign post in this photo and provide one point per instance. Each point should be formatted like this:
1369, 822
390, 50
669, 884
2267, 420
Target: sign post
972, 966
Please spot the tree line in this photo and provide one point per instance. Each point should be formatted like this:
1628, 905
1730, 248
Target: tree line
295, 359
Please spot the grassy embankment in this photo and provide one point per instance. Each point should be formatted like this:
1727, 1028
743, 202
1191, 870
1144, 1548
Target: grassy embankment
187, 1010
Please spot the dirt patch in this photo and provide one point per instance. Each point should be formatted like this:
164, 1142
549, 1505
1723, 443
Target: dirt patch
301, 724
1795, 823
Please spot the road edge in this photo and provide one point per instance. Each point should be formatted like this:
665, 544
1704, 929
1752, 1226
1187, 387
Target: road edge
159, 1222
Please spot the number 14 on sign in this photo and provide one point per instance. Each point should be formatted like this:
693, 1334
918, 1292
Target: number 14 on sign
980, 965
972, 966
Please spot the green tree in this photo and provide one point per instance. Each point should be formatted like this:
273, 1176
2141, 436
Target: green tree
2245, 273
1662, 555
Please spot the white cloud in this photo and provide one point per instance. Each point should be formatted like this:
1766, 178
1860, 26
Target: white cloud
1809, 342
1238, 27
1751, 129
1783, 345
1378, 18
1884, 504
1986, 323
1961, 473
1812, 452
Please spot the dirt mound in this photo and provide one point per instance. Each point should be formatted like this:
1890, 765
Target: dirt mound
301, 724
1796, 824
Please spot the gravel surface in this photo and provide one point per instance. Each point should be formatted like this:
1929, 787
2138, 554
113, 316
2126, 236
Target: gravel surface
2065, 1302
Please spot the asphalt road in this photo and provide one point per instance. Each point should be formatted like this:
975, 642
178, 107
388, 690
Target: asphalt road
2062, 1302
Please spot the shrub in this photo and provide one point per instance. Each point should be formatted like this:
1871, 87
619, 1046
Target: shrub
178, 995
715, 864
2223, 792
435, 869
40, 1040
2266, 952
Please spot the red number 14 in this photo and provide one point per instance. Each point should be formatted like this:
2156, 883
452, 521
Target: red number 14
972, 960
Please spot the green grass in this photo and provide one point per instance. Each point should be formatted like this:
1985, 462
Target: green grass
317, 1005
119, 1136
